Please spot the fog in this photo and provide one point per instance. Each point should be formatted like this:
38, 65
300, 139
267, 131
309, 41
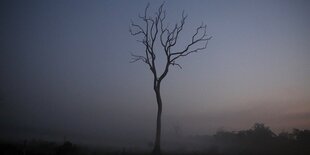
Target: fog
65, 71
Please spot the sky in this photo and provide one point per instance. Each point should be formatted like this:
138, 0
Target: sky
66, 72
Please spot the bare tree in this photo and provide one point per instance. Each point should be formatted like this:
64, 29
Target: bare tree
152, 29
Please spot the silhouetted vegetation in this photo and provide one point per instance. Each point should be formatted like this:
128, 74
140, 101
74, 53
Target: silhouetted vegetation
261, 140
258, 140
153, 29
39, 147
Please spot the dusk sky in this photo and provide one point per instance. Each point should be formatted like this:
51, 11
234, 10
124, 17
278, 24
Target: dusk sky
66, 72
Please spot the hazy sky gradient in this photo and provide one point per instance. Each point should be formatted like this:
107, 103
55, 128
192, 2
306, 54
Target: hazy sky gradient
65, 69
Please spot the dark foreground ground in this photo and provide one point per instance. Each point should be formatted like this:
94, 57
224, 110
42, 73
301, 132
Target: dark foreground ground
49, 148
259, 140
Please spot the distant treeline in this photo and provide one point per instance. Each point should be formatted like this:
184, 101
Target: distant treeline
38, 147
258, 140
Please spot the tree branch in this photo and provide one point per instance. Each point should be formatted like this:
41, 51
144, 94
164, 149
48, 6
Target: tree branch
137, 58
204, 38
154, 28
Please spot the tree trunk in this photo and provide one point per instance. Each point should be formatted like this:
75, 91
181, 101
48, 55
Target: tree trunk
157, 149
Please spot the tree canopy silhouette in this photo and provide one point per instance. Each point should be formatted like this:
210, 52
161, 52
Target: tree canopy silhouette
260, 139
153, 29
